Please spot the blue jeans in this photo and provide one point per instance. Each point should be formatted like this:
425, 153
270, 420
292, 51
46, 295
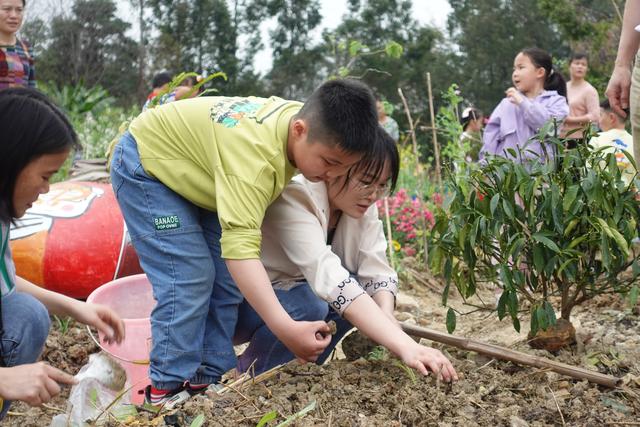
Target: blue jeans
26, 327
178, 244
265, 351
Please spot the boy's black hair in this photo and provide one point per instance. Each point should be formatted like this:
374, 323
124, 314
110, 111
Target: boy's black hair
32, 126
553, 80
578, 55
161, 79
384, 152
605, 105
342, 112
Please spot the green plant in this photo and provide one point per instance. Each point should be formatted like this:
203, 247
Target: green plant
546, 230
63, 323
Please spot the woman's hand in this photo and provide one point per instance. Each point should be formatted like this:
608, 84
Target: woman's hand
101, 317
618, 89
35, 383
514, 96
424, 359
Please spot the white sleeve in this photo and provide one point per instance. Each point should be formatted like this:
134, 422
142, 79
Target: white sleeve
374, 272
293, 221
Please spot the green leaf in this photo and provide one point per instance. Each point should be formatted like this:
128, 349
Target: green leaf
451, 320
355, 47
393, 49
538, 237
502, 305
534, 322
516, 324
541, 317
508, 209
550, 312
343, 72
197, 421
310, 407
494, 203
538, 257
633, 296
570, 197
269, 416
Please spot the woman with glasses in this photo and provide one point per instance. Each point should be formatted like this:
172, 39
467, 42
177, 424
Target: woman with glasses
324, 250
16, 62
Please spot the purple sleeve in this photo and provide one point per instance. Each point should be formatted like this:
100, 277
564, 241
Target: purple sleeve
537, 114
491, 133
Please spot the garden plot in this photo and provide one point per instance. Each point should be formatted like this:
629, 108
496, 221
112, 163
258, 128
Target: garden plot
379, 391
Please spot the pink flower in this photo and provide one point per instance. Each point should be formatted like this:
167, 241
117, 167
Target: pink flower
409, 251
437, 199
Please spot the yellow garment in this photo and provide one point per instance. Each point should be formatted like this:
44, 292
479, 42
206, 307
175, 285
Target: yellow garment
227, 155
617, 140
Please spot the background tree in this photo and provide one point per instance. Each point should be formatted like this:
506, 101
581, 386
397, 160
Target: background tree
488, 35
90, 47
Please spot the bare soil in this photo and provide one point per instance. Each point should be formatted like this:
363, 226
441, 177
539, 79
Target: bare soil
380, 392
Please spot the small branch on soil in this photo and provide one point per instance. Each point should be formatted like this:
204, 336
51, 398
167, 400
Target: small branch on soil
502, 353
557, 406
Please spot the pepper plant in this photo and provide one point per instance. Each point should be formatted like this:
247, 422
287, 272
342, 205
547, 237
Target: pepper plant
552, 230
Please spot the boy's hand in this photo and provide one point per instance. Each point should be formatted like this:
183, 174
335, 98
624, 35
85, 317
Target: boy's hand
514, 96
101, 317
35, 383
424, 359
307, 340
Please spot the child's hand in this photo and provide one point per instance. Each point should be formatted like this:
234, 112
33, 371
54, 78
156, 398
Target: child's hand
424, 359
35, 383
307, 340
514, 96
105, 320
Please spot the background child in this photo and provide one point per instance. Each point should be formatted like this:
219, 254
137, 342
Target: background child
583, 100
615, 136
36, 141
538, 95
325, 240
193, 179
387, 123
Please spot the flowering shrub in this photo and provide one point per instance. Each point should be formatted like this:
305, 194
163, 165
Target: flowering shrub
406, 214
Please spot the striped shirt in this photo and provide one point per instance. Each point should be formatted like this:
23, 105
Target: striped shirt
6, 287
16, 66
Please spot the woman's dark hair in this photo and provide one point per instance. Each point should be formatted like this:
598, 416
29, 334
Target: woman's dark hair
578, 55
553, 80
32, 126
384, 152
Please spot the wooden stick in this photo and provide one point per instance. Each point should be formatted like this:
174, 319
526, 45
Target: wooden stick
502, 353
419, 177
436, 148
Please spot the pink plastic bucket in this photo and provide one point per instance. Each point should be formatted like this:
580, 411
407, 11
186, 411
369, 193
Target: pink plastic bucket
132, 298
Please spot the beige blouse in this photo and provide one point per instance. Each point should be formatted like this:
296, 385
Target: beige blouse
295, 249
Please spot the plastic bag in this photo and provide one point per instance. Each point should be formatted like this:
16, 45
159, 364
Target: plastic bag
100, 393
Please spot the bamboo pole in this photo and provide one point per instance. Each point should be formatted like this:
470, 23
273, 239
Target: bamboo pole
436, 148
502, 353
389, 236
419, 177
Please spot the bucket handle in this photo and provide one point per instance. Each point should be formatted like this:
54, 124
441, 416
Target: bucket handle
135, 362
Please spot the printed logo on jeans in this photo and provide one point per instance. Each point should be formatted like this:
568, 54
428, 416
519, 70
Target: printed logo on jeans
166, 222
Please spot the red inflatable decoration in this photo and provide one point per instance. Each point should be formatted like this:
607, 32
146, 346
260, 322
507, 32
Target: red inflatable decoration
73, 240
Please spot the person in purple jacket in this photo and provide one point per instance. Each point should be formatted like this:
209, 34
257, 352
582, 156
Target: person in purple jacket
539, 94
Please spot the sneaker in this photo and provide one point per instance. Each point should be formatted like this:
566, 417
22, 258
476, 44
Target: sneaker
195, 389
165, 399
